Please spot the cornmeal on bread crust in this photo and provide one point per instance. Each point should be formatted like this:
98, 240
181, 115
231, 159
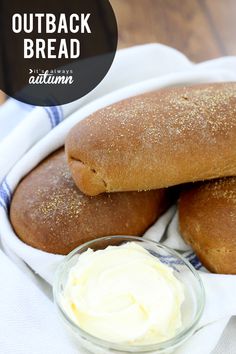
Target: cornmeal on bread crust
207, 218
49, 212
156, 140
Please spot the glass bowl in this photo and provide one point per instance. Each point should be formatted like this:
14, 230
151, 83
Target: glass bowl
191, 309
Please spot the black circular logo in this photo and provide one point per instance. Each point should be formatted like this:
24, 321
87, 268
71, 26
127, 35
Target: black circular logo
55, 51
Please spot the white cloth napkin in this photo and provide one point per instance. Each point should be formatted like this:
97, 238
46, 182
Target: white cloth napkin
38, 132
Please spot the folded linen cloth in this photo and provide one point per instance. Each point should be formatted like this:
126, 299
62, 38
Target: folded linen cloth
43, 129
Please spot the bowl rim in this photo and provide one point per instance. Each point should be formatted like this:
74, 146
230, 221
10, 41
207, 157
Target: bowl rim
161, 346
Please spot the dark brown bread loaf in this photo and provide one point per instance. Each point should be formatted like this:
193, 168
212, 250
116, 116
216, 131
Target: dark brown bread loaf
156, 140
49, 212
207, 218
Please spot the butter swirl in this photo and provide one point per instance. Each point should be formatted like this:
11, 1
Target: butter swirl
123, 294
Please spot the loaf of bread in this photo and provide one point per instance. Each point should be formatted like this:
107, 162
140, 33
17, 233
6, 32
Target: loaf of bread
207, 219
48, 211
156, 140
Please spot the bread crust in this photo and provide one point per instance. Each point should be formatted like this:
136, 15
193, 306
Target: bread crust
48, 211
156, 140
207, 219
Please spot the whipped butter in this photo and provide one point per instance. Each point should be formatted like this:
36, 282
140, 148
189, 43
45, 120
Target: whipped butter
123, 294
